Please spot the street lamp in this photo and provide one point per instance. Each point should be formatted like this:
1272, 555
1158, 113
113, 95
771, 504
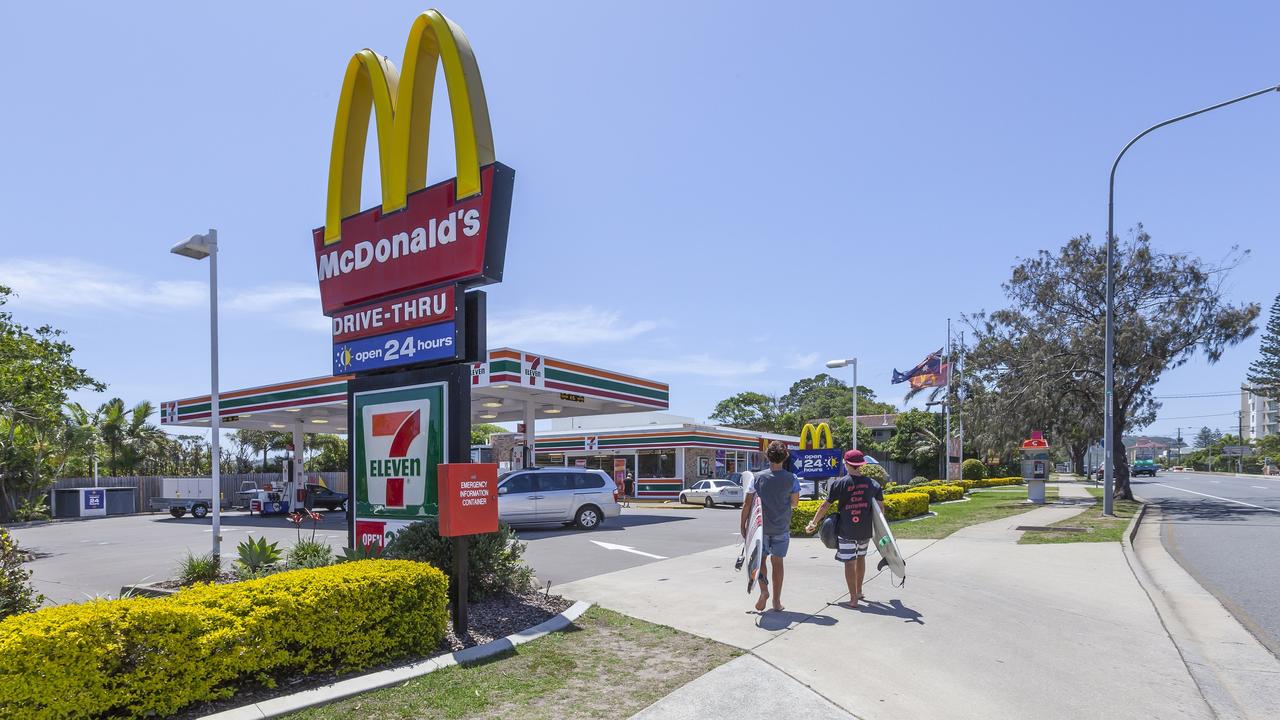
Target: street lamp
199, 247
851, 362
1108, 419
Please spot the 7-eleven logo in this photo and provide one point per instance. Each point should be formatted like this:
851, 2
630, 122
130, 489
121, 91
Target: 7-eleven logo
533, 370
395, 451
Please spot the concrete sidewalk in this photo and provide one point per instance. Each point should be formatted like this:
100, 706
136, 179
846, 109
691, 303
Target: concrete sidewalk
984, 628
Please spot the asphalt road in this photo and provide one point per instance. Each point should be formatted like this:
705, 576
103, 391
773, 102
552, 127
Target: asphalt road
79, 560
1225, 531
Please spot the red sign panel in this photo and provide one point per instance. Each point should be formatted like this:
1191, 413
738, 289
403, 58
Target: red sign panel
370, 534
468, 498
401, 313
433, 240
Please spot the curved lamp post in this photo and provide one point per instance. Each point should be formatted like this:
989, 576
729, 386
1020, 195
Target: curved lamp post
1109, 443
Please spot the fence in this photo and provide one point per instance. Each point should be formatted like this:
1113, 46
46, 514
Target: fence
150, 486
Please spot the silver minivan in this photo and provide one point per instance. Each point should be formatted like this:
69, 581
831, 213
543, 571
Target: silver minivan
570, 496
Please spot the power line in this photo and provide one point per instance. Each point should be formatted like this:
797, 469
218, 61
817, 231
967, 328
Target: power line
1197, 395
1192, 417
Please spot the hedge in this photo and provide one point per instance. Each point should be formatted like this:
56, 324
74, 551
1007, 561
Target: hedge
940, 493
973, 469
997, 482
898, 506
154, 656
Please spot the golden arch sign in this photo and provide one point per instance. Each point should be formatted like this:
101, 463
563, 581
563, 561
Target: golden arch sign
816, 437
454, 231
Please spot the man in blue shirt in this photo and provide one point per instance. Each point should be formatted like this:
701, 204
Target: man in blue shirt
779, 492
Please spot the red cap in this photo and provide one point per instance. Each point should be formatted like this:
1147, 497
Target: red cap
855, 458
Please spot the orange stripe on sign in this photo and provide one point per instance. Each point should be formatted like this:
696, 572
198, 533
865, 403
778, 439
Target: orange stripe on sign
389, 423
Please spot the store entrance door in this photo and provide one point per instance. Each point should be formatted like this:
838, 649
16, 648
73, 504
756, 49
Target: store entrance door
622, 468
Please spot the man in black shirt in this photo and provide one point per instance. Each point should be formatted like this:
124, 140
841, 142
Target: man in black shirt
852, 496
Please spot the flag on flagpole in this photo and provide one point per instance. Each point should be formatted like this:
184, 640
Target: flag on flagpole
931, 365
932, 379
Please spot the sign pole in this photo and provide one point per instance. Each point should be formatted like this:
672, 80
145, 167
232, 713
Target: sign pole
460, 571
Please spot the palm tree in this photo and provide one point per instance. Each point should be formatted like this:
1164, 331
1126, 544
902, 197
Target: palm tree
142, 441
113, 418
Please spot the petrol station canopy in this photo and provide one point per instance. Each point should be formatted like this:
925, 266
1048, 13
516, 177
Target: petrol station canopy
512, 386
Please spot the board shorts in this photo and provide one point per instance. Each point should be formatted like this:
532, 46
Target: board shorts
852, 549
776, 545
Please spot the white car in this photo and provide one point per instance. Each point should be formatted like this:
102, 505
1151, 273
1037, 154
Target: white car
712, 493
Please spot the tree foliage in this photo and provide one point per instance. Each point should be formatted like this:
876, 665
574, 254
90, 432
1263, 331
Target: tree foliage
1040, 361
1264, 373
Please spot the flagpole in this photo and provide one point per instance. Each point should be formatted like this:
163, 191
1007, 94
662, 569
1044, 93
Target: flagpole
960, 401
946, 407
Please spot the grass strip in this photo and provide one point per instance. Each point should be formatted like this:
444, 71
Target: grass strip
605, 665
983, 505
1100, 529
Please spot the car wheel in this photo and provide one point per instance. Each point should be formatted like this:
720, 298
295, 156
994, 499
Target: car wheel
708, 502
343, 506
588, 517
177, 512
683, 500
199, 511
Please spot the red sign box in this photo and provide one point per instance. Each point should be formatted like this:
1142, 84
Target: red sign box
400, 313
433, 240
468, 498
370, 534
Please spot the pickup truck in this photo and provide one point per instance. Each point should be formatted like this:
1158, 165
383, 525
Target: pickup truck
1143, 467
319, 496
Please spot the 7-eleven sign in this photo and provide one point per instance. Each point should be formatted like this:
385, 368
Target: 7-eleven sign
399, 441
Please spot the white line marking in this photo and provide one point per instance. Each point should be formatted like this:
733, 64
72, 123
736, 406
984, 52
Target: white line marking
1216, 482
1259, 487
1215, 497
624, 548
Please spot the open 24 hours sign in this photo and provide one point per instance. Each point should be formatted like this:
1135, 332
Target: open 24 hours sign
399, 441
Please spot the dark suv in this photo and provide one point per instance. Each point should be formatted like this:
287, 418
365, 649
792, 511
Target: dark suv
319, 496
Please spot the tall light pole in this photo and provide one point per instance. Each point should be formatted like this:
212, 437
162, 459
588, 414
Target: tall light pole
1108, 419
836, 364
199, 247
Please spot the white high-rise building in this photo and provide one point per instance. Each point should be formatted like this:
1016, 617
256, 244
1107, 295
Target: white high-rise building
1261, 415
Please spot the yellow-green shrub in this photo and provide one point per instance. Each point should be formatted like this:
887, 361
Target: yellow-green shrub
940, 493
997, 482
905, 505
154, 656
897, 506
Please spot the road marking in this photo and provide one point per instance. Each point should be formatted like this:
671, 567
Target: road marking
1216, 482
1260, 487
624, 548
1215, 497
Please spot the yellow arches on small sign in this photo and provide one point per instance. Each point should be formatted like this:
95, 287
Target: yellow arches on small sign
816, 437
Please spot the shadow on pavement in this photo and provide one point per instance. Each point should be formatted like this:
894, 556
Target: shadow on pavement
332, 521
781, 620
1210, 510
893, 608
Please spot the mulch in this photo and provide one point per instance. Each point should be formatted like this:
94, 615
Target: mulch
487, 620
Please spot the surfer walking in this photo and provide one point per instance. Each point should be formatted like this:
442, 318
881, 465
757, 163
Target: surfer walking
778, 492
852, 496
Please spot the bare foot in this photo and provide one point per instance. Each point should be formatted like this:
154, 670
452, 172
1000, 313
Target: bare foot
778, 608
761, 602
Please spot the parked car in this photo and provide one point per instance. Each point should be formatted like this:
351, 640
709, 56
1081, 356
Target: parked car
567, 495
319, 496
713, 492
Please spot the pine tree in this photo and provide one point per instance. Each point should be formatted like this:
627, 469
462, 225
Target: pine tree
1264, 373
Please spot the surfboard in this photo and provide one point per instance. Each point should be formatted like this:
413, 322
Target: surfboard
882, 536
753, 544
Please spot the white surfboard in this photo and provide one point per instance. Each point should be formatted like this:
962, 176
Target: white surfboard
753, 544
882, 536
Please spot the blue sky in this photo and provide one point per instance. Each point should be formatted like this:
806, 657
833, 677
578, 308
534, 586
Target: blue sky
717, 195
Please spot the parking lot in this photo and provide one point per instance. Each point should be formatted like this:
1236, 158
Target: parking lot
81, 559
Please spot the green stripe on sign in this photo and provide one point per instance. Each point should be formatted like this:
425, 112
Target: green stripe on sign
297, 394
601, 383
498, 366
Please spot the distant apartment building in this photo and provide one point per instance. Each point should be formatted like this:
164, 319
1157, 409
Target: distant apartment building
1261, 416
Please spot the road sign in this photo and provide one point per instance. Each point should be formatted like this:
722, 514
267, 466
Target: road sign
816, 463
1237, 450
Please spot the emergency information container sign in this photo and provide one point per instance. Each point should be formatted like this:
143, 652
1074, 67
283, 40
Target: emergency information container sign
468, 499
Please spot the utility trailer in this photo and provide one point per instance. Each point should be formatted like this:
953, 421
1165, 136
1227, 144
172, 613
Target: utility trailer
180, 496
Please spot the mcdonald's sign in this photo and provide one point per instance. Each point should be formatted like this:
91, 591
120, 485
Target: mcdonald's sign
451, 232
816, 457
816, 437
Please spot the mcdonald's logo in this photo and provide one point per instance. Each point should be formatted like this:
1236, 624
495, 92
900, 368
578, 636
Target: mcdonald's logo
454, 231
816, 437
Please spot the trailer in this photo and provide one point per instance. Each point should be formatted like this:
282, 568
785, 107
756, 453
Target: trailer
180, 496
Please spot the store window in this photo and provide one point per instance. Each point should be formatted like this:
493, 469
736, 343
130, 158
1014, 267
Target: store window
549, 460
734, 461
657, 463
